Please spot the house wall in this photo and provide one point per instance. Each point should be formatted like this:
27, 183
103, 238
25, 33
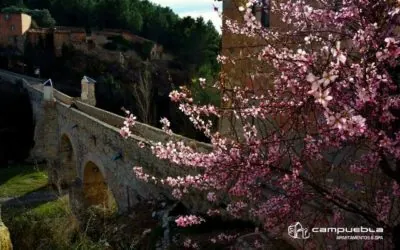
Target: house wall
34, 35
243, 69
13, 26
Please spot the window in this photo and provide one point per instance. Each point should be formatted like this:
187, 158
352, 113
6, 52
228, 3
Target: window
261, 10
6, 17
12, 27
226, 3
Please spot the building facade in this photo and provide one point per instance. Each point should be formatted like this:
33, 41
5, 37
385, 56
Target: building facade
13, 28
241, 50
241, 69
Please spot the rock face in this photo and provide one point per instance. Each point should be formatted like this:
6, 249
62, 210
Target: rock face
5, 240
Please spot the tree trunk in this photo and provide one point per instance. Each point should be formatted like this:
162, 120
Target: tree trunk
396, 237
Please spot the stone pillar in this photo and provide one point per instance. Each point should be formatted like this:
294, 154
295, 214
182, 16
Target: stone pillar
88, 94
46, 135
46, 123
50, 137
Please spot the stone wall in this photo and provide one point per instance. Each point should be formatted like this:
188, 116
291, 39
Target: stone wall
63, 97
141, 129
36, 96
95, 141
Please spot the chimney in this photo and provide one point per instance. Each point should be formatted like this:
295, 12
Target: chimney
88, 91
48, 91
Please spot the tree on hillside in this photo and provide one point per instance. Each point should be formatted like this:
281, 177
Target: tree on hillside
6, 3
158, 22
196, 43
316, 141
119, 14
143, 91
178, 36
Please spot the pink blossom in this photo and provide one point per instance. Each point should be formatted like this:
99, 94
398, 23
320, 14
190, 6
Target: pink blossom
202, 82
189, 243
211, 196
176, 96
177, 193
396, 189
382, 206
327, 78
166, 125
189, 220
125, 132
390, 41
323, 97
323, 127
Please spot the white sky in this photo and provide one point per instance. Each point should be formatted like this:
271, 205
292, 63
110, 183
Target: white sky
194, 8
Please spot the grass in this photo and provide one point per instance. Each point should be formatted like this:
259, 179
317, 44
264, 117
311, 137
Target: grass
53, 209
20, 180
50, 225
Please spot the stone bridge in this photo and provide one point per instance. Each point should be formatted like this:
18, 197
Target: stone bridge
83, 147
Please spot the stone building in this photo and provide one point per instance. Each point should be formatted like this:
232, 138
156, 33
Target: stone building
58, 36
241, 68
68, 35
13, 28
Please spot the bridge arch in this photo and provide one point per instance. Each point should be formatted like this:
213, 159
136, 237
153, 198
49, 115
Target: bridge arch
95, 189
68, 161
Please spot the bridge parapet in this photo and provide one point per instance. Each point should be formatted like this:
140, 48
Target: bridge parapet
140, 129
60, 96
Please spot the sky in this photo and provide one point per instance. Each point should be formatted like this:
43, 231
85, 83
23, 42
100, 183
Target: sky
194, 8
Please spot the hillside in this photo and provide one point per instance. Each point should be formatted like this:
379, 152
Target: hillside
195, 43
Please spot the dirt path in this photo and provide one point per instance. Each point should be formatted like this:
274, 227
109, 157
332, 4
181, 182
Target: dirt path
34, 197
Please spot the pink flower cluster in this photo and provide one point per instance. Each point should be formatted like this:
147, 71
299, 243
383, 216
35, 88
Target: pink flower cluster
189, 243
189, 220
382, 206
325, 118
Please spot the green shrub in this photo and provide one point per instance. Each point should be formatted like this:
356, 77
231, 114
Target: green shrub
144, 49
42, 18
48, 226
119, 43
110, 46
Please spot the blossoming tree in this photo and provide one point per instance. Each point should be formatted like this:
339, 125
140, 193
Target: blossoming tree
322, 145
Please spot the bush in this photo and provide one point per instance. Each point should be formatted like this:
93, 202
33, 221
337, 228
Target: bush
48, 226
121, 42
118, 43
110, 46
144, 49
